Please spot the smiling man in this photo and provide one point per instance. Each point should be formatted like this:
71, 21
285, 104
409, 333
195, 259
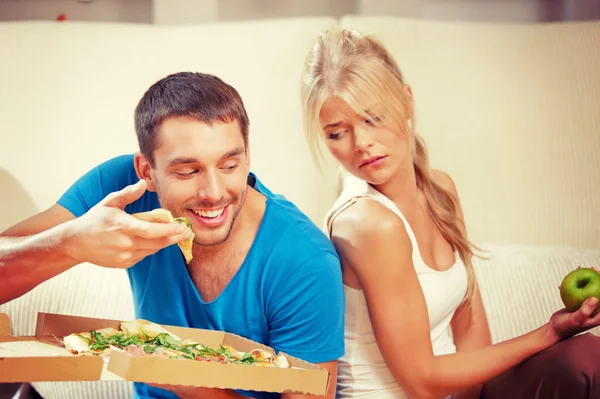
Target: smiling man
260, 268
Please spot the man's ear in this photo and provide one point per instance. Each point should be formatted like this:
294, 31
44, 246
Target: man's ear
144, 170
248, 155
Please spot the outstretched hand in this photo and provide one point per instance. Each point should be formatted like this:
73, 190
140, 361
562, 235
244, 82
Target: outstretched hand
107, 236
566, 324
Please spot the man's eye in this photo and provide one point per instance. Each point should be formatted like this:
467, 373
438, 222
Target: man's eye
231, 166
185, 173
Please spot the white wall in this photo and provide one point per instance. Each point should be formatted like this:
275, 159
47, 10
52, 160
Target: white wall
198, 11
167, 12
470, 10
99, 10
582, 10
260, 9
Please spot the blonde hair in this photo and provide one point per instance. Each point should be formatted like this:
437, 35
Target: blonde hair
356, 68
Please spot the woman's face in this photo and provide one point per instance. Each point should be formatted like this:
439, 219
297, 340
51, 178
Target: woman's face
372, 153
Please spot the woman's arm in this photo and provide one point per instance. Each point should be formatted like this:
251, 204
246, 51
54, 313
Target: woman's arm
470, 331
470, 328
374, 244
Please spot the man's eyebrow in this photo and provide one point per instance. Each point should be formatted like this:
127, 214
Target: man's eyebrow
233, 153
181, 161
187, 160
336, 124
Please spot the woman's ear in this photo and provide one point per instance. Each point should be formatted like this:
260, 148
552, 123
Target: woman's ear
144, 170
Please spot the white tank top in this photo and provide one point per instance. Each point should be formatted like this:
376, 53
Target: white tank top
362, 371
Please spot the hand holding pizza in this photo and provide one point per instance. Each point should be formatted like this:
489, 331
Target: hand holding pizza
107, 236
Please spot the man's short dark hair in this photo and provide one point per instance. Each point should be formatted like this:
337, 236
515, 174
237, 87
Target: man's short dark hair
196, 95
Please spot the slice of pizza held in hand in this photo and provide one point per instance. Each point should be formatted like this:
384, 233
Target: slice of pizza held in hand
161, 215
143, 338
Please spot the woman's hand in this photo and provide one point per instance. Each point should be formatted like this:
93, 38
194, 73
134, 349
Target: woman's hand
566, 324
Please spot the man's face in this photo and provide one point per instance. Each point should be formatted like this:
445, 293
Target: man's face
201, 173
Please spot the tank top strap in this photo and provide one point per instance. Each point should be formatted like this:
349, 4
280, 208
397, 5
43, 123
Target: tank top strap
373, 193
355, 189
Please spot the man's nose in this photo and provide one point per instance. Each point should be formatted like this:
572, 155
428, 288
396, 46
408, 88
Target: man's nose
212, 188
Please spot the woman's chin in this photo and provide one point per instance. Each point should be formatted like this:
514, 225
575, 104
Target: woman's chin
376, 178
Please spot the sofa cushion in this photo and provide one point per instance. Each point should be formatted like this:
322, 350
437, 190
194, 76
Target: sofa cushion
519, 284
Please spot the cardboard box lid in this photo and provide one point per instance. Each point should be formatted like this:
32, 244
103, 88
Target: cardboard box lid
25, 359
4, 324
303, 377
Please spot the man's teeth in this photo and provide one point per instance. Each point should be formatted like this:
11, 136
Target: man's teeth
209, 214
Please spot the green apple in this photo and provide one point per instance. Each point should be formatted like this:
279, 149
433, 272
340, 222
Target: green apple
578, 286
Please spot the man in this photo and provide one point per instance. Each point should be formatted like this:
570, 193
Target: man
260, 268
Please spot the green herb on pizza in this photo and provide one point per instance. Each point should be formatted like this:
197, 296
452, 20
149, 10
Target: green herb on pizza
142, 338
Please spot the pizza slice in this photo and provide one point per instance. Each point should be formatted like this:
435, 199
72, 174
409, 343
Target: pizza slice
146, 328
161, 215
91, 343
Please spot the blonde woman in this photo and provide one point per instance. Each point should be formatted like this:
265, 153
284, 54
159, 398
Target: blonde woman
415, 323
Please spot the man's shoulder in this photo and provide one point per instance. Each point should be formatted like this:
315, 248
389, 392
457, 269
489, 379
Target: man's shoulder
104, 178
114, 172
295, 236
122, 165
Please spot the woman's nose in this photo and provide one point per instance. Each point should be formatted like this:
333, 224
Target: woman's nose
362, 139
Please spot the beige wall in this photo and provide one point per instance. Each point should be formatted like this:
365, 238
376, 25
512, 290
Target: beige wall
98, 10
197, 11
77, 110
184, 11
516, 128
471, 10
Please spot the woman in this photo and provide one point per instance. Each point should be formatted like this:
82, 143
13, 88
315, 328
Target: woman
415, 322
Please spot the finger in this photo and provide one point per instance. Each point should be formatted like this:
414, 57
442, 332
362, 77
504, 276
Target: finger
122, 198
159, 243
585, 310
150, 230
593, 321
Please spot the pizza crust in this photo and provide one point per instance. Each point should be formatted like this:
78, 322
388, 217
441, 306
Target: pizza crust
161, 215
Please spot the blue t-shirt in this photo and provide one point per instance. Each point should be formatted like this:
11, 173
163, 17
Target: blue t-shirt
287, 294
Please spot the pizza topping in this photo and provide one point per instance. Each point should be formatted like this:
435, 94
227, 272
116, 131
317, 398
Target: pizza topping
142, 338
184, 221
161, 215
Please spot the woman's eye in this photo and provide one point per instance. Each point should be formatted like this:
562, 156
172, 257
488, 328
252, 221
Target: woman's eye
373, 119
335, 135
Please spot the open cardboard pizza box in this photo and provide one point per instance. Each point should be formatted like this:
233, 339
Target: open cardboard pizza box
43, 358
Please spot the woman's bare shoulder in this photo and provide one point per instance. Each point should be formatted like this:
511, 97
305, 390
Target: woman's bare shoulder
368, 221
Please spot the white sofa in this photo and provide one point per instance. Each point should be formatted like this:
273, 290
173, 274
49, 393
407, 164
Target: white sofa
509, 110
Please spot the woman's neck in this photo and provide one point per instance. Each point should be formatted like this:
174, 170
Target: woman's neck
401, 189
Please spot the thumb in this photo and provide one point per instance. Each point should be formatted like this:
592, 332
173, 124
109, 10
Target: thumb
120, 199
586, 309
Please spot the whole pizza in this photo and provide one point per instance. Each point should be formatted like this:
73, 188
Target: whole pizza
143, 338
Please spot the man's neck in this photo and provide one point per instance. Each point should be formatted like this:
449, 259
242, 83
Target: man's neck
242, 232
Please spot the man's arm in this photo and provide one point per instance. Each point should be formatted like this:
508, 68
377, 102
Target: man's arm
332, 368
30, 252
53, 241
